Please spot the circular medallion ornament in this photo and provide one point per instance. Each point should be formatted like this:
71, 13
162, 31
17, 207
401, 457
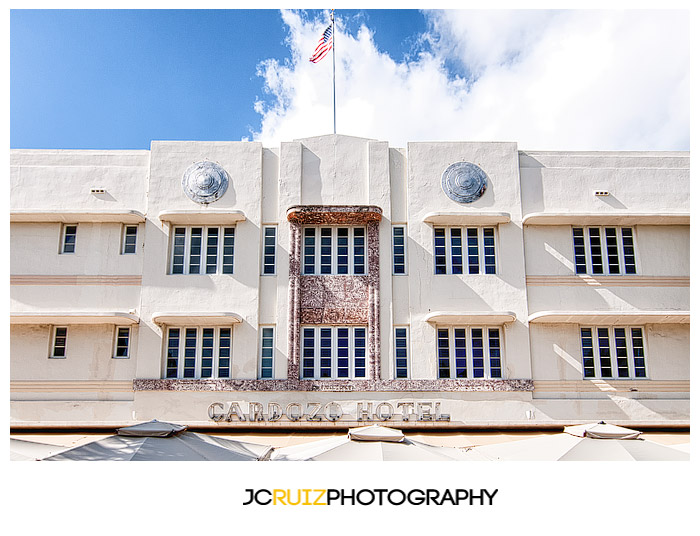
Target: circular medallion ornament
205, 182
464, 182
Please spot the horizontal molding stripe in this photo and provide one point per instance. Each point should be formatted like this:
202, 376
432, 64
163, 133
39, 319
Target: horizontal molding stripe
338, 386
607, 281
129, 280
596, 386
81, 386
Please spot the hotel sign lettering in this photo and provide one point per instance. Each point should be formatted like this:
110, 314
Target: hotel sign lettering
331, 411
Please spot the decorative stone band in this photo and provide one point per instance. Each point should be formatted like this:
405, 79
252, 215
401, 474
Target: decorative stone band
333, 214
607, 281
334, 386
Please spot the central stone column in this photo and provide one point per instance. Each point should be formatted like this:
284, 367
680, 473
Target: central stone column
334, 299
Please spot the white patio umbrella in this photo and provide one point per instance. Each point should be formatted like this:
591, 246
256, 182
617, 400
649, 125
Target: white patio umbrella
372, 443
589, 442
23, 450
160, 441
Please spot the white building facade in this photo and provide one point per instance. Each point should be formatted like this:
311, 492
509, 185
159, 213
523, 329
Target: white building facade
336, 280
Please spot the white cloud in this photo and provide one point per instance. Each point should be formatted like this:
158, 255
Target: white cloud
579, 80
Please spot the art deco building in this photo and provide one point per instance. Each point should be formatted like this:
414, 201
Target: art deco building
336, 279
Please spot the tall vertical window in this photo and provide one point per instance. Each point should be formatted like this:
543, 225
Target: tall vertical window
129, 239
460, 250
399, 249
202, 250
267, 349
334, 251
58, 342
613, 352
401, 352
68, 236
604, 250
198, 352
333, 352
121, 343
269, 250
469, 352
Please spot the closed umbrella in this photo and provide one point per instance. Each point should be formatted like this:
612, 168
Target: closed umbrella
160, 441
372, 443
592, 442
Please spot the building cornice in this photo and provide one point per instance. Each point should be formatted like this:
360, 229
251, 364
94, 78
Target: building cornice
610, 318
75, 216
607, 218
210, 216
116, 318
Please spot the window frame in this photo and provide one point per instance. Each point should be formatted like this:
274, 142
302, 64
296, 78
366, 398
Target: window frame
64, 234
317, 254
396, 355
116, 346
404, 249
464, 249
469, 352
203, 250
613, 350
216, 356
54, 336
264, 255
605, 252
261, 353
125, 233
317, 357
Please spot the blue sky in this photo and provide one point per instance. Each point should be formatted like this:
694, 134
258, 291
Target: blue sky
117, 79
582, 80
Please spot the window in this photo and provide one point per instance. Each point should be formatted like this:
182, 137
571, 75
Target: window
333, 352
129, 239
334, 250
604, 250
401, 352
121, 343
613, 352
202, 250
58, 347
465, 250
469, 352
269, 250
399, 249
68, 236
267, 349
198, 352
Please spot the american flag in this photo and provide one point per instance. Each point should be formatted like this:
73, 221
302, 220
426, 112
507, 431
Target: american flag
324, 45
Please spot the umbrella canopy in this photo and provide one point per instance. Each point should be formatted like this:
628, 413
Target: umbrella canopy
371, 443
23, 450
602, 430
570, 447
156, 441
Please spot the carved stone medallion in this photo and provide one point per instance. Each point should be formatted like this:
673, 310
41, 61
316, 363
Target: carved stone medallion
205, 182
464, 182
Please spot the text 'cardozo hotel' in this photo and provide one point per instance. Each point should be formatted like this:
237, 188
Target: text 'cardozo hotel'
336, 281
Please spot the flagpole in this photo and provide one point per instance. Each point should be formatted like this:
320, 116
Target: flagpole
333, 23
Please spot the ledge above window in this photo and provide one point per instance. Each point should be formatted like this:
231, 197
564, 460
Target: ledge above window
333, 214
114, 318
610, 318
452, 318
607, 218
76, 216
196, 319
202, 217
466, 218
